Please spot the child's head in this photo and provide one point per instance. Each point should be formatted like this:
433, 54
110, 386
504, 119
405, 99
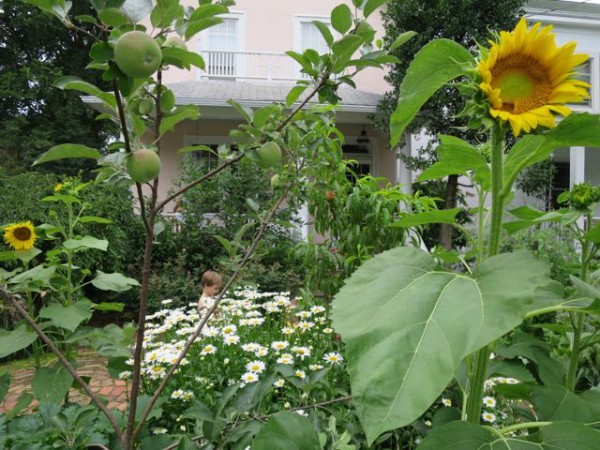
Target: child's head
211, 283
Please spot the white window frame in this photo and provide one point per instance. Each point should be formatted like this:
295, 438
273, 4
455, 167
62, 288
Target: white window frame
594, 82
299, 19
204, 43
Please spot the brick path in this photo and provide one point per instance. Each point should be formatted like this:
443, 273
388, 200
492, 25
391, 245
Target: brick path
115, 391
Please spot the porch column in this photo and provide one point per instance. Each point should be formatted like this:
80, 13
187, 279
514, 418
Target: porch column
404, 176
576, 166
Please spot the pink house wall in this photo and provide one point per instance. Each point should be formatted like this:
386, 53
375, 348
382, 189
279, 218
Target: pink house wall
270, 26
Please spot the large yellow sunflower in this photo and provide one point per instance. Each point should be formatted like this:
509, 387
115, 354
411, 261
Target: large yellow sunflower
20, 236
527, 78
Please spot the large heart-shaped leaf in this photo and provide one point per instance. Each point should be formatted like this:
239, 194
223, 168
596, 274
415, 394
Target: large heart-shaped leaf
68, 317
576, 130
13, 341
407, 326
467, 436
51, 384
285, 431
437, 63
113, 282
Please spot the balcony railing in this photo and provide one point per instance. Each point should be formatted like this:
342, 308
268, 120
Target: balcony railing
250, 65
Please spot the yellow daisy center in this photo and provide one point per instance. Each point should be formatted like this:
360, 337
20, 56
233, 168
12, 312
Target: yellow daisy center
523, 82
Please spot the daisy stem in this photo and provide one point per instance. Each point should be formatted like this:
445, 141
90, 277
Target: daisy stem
482, 357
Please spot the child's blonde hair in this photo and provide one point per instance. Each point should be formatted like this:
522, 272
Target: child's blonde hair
210, 278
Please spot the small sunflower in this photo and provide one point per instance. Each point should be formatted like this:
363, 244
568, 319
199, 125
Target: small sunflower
527, 78
20, 236
58, 187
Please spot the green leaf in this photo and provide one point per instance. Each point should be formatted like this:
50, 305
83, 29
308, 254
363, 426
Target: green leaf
416, 322
344, 48
105, 306
325, 31
195, 26
180, 114
579, 129
77, 84
142, 403
136, 10
51, 384
437, 63
158, 442
457, 157
38, 274
195, 148
372, 5
18, 339
286, 431
549, 370
64, 151
113, 282
437, 216
467, 436
401, 40
68, 317
182, 58
4, 385
341, 18
295, 94
113, 17
86, 242
244, 110
555, 402
23, 402
102, 52
8, 255
164, 13
94, 219
208, 10
531, 216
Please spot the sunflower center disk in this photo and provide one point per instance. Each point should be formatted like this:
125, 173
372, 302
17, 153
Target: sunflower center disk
22, 233
524, 83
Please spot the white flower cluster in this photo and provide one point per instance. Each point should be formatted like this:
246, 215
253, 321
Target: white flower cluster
255, 334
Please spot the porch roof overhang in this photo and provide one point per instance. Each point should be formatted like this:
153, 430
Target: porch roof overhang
212, 95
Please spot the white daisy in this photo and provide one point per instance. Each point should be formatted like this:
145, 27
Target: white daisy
255, 366
333, 358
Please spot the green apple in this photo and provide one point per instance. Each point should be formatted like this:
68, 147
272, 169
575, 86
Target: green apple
137, 54
143, 165
175, 41
269, 154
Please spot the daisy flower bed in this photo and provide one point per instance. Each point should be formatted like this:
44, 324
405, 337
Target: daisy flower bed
262, 353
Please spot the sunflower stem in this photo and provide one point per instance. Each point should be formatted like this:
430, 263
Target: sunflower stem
578, 318
482, 357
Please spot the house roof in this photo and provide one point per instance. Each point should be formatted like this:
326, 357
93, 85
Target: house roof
217, 92
580, 12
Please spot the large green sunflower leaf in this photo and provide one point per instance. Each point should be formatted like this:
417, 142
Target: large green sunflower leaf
287, 431
457, 157
407, 326
460, 435
437, 63
51, 384
576, 130
113, 282
13, 341
67, 317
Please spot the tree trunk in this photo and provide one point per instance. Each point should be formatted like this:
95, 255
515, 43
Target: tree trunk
446, 230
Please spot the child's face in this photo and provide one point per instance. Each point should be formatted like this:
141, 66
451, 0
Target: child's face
213, 290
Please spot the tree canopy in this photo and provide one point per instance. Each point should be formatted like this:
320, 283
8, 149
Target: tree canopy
34, 52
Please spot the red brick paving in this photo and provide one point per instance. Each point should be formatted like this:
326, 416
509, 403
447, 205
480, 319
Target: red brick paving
115, 391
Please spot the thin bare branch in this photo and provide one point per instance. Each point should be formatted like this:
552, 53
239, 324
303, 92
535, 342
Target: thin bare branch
63, 360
